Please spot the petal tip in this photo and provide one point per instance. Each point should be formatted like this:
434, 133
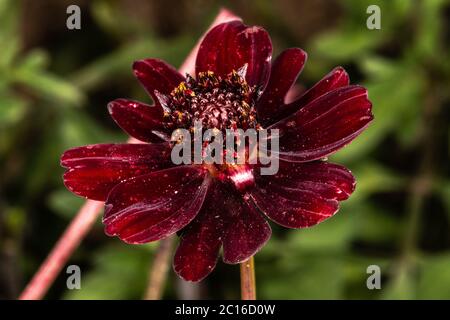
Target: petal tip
191, 277
111, 106
299, 51
243, 256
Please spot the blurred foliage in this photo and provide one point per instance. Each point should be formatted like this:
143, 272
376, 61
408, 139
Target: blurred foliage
54, 89
117, 273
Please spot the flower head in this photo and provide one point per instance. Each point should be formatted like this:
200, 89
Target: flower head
235, 86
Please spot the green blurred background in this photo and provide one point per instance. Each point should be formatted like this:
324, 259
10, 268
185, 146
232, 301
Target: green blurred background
55, 84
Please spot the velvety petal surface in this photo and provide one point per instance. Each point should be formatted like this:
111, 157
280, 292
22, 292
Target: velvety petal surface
92, 171
155, 74
337, 78
324, 125
303, 194
284, 72
247, 231
139, 120
200, 241
154, 206
231, 45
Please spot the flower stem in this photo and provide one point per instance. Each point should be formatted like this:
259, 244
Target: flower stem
63, 249
248, 281
159, 268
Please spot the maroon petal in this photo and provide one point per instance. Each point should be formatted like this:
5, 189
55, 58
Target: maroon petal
324, 125
94, 170
303, 194
247, 231
284, 72
154, 206
201, 240
155, 74
231, 45
330, 180
337, 78
139, 120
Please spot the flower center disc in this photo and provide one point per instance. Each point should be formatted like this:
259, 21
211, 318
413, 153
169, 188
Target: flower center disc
216, 102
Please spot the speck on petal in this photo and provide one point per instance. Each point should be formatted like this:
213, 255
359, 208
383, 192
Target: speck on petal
139, 120
155, 74
337, 78
92, 171
324, 125
247, 231
284, 72
303, 194
147, 208
231, 45
200, 241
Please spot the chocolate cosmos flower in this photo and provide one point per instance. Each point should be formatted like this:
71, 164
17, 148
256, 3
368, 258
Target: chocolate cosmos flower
235, 85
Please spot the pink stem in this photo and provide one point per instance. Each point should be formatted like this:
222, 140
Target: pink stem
89, 212
62, 251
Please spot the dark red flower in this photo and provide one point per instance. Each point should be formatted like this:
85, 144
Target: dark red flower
236, 85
